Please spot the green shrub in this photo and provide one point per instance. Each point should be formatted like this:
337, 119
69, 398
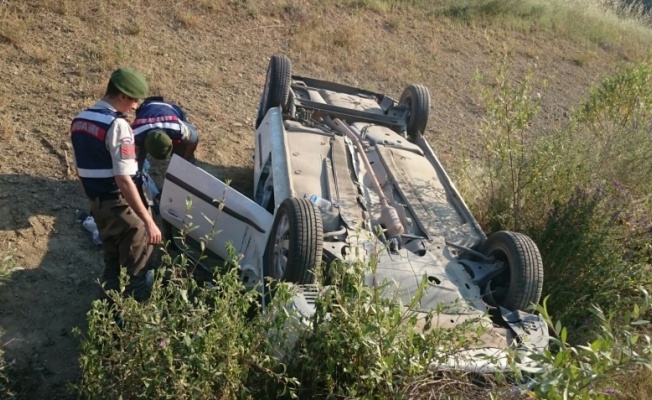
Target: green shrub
585, 259
194, 341
596, 233
363, 343
616, 120
186, 341
6, 265
209, 342
509, 166
582, 192
588, 371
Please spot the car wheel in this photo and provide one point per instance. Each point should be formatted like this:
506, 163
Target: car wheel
417, 100
277, 86
521, 283
295, 245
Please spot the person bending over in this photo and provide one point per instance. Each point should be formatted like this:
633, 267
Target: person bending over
161, 128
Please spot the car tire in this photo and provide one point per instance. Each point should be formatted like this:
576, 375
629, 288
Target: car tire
417, 100
295, 245
521, 283
277, 86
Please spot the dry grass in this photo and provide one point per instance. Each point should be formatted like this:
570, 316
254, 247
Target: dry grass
636, 385
187, 19
14, 22
584, 58
596, 21
602, 22
7, 129
447, 385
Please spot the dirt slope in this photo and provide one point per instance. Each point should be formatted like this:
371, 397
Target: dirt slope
211, 58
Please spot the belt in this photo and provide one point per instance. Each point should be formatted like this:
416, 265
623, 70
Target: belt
108, 196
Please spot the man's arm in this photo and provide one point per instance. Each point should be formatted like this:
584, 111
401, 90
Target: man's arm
120, 143
130, 192
189, 141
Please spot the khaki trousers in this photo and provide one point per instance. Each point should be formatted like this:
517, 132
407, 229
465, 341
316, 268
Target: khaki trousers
125, 245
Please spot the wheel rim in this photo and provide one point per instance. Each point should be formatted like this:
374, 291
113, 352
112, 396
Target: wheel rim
281, 247
408, 101
499, 285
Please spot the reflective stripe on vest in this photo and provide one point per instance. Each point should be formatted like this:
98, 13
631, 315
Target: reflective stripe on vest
157, 125
95, 173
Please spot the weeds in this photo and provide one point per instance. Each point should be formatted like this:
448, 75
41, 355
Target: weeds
6, 387
187, 341
511, 164
191, 340
361, 342
212, 341
581, 192
587, 372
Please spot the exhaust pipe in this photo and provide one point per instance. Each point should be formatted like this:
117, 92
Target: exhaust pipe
388, 214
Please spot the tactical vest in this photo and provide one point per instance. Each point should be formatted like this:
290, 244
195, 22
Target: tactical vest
155, 113
94, 165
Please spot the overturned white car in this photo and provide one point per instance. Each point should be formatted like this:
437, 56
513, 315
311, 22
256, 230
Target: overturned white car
338, 170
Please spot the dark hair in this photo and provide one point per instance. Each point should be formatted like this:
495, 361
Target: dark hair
112, 90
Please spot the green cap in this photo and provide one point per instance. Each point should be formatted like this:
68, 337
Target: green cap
158, 144
130, 82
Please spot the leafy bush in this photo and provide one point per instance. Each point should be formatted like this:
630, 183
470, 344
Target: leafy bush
186, 341
5, 383
193, 341
587, 372
582, 249
6, 265
596, 235
363, 343
617, 118
509, 167
582, 192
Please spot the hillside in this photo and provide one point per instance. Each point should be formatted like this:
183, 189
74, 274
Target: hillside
210, 56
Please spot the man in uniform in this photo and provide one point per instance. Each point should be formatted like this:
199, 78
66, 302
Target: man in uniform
161, 128
105, 157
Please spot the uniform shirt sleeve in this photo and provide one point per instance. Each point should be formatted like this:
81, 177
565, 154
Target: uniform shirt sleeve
188, 132
121, 145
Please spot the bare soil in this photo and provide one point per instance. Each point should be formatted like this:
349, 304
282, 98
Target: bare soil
56, 59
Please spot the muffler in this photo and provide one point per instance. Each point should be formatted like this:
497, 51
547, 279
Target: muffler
388, 214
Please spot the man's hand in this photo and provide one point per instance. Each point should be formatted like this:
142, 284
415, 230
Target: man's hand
153, 233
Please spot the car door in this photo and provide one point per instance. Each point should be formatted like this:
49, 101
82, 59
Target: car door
214, 214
